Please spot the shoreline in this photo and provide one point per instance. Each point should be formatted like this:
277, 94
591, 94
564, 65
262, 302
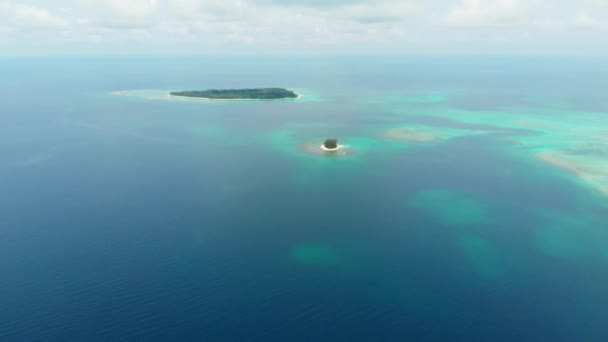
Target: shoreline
332, 149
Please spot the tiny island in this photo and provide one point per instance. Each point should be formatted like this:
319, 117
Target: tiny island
330, 145
239, 94
328, 148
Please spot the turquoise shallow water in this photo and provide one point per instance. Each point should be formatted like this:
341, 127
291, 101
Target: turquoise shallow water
470, 202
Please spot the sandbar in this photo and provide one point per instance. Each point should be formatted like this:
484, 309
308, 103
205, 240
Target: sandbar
594, 174
408, 134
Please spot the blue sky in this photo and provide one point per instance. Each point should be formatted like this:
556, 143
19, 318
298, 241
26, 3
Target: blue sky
520, 27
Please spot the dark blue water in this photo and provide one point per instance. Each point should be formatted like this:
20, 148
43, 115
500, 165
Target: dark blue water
132, 219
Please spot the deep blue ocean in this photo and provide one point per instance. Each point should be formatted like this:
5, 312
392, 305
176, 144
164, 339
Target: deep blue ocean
133, 218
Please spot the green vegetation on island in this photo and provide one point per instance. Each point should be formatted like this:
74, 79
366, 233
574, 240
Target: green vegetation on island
239, 94
331, 144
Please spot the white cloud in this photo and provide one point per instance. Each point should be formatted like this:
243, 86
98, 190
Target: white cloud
237, 21
32, 16
599, 3
120, 13
585, 21
304, 25
5, 9
474, 13
27, 17
378, 12
216, 10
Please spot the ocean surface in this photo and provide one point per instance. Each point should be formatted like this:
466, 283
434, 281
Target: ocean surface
469, 204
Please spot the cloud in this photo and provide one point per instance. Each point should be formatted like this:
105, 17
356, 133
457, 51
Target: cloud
317, 4
120, 13
475, 13
32, 16
212, 10
289, 26
266, 22
27, 17
5, 9
585, 21
599, 3
379, 12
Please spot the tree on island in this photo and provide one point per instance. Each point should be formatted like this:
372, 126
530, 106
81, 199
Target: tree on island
331, 144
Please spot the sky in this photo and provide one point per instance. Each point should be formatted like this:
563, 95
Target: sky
360, 27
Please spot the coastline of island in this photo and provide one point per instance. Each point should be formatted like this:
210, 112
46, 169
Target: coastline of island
339, 147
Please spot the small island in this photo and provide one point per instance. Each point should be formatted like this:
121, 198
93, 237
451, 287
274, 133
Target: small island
331, 144
329, 148
239, 94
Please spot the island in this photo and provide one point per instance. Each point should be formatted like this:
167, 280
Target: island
331, 145
239, 94
328, 148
